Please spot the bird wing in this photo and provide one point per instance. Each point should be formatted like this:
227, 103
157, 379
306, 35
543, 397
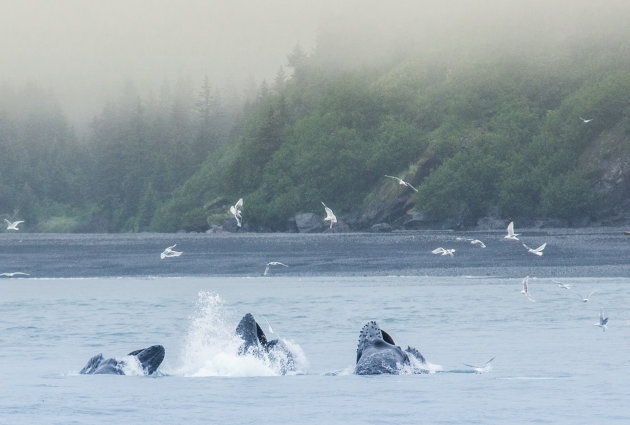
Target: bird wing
239, 204
232, 210
541, 247
527, 248
510, 228
7, 221
439, 250
392, 177
409, 185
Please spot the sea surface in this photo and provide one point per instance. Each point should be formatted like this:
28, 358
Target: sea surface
112, 294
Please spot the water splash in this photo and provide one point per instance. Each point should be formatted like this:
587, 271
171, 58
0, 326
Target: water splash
211, 347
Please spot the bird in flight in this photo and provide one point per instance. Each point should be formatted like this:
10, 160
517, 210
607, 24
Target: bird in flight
169, 252
443, 251
13, 225
536, 251
562, 285
330, 216
475, 242
235, 210
586, 298
12, 274
480, 369
586, 121
525, 290
603, 321
402, 182
273, 263
510, 232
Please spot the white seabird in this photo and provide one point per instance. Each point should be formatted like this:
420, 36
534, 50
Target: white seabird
169, 252
273, 263
586, 298
562, 285
536, 251
13, 225
510, 232
12, 274
480, 369
443, 251
586, 121
603, 321
525, 290
475, 242
330, 216
235, 210
402, 182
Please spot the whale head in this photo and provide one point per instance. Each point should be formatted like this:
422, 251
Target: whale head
150, 358
251, 334
377, 353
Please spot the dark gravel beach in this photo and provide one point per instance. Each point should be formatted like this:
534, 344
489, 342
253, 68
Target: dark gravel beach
597, 252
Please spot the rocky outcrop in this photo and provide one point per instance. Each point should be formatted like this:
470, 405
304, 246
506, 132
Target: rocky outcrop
608, 158
309, 223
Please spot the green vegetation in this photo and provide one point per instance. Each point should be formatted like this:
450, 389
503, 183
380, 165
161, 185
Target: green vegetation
501, 132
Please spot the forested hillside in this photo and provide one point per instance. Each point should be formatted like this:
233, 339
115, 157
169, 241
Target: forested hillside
481, 130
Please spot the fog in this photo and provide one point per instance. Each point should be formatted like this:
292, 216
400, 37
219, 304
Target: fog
85, 51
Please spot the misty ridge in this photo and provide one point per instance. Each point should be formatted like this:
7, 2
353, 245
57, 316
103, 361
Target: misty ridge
478, 107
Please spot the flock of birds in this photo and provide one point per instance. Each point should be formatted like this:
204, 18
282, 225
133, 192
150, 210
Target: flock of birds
235, 210
511, 235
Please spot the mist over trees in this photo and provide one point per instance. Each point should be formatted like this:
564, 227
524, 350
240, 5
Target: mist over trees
486, 124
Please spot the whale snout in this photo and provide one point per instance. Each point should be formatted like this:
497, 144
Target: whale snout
150, 358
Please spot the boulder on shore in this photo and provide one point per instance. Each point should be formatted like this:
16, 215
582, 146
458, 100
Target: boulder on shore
309, 223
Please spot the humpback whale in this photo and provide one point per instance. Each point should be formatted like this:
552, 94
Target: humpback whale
377, 353
255, 343
149, 359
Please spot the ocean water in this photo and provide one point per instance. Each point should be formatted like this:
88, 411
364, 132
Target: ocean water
551, 365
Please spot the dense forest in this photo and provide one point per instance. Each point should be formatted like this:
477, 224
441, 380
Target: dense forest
481, 131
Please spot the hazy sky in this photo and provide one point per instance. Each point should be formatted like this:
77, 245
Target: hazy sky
85, 50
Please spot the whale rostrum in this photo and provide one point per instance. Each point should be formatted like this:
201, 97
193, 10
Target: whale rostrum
149, 359
377, 353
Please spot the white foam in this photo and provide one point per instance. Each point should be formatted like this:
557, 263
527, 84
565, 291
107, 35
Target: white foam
211, 347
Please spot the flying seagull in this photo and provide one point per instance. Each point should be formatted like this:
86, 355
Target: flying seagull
562, 285
13, 274
510, 232
13, 225
603, 321
330, 216
480, 369
475, 242
169, 252
586, 121
273, 263
525, 290
443, 251
586, 298
537, 251
235, 210
402, 182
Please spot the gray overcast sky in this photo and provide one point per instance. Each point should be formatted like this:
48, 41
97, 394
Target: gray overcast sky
85, 50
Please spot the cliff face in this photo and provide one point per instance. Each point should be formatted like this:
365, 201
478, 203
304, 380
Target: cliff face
608, 160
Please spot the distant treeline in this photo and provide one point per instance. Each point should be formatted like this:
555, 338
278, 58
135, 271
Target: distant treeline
501, 128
